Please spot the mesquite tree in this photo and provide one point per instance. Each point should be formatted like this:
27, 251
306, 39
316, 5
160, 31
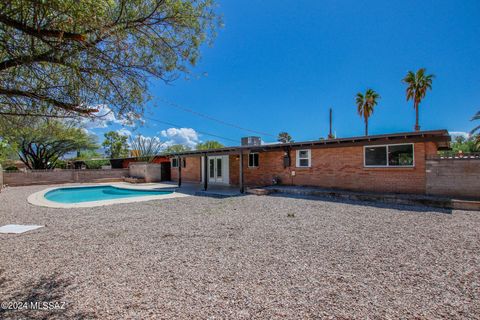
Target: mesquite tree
64, 57
40, 145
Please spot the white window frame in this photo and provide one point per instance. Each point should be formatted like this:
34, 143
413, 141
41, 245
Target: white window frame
258, 155
309, 158
174, 159
386, 150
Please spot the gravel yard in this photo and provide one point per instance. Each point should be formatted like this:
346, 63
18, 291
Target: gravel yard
242, 257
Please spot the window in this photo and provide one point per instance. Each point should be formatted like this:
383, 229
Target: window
211, 163
253, 159
303, 158
184, 162
174, 163
375, 156
398, 155
219, 167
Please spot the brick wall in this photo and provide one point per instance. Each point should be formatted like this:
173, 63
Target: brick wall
21, 178
454, 177
192, 171
340, 167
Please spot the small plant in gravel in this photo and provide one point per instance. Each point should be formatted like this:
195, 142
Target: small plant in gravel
291, 215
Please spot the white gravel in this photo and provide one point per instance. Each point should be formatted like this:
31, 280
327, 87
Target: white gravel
242, 257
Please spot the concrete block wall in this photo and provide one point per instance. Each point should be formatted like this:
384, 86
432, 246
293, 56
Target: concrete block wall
454, 177
21, 178
1, 177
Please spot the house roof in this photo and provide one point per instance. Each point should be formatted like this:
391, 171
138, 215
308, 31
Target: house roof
441, 137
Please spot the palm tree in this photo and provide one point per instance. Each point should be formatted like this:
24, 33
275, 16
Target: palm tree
417, 85
365, 105
284, 137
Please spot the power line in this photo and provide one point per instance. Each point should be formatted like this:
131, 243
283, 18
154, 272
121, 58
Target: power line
215, 119
202, 132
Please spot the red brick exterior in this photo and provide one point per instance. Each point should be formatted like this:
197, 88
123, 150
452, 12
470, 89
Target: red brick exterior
336, 167
157, 159
191, 172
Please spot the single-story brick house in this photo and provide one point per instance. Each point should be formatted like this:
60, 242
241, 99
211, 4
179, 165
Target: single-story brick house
384, 163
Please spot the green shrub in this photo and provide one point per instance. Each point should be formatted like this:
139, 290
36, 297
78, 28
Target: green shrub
96, 164
61, 164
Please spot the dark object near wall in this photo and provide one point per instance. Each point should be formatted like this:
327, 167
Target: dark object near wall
286, 161
116, 163
166, 171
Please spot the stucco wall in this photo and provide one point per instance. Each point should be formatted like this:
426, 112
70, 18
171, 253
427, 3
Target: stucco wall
21, 178
151, 172
454, 177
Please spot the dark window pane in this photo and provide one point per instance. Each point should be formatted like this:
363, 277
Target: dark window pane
174, 163
303, 154
401, 155
303, 162
375, 156
253, 159
212, 168
219, 167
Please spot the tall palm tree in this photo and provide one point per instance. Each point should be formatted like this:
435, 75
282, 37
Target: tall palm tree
417, 85
365, 105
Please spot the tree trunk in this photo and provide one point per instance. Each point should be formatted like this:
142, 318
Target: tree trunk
417, 127
366, 126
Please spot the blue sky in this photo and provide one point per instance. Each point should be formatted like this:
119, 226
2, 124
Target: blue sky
279, 65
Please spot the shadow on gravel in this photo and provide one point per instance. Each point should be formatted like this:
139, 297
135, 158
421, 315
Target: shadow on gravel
50, 290
376, 204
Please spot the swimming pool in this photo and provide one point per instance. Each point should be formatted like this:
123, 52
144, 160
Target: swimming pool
98, 193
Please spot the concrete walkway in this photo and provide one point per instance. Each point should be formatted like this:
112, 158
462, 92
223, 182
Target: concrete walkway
217, 191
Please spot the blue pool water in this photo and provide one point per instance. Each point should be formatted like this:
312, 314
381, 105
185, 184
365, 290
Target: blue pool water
84, 194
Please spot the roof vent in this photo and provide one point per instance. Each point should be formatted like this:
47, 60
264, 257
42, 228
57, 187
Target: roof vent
251, 141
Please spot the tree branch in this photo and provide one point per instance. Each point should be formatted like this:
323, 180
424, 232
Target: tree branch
63, 105
41, 33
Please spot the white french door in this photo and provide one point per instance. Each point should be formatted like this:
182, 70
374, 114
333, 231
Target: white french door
217, 169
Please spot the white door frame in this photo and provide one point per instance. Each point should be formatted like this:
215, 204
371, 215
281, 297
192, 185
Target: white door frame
223, 178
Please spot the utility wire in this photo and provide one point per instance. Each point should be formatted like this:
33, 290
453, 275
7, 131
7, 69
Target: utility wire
202, 132
214, 119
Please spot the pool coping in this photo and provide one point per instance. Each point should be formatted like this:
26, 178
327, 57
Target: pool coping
38, 198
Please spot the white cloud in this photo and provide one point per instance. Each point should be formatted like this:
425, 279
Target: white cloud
185, 136
455, 134
106, 117
124, 132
